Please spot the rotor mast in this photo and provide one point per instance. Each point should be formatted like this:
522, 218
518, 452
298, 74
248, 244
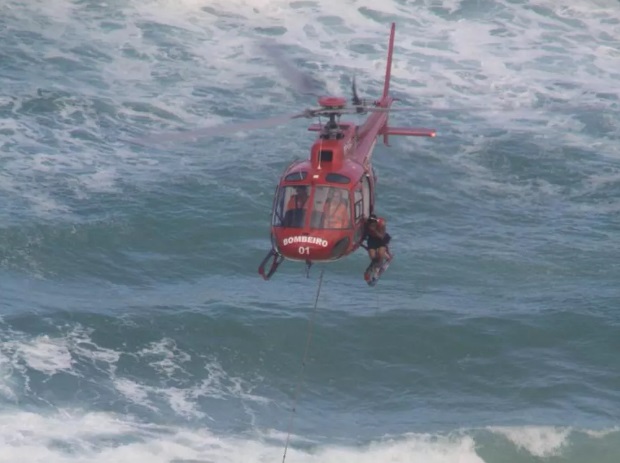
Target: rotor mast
332, 106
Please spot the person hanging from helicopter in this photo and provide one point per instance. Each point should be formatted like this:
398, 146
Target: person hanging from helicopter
336, 210
377, 241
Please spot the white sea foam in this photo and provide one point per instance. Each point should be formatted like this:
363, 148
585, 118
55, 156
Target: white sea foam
71, 435
64, 354
54, 354
168, 359
540, 441
168, 65
7, 382
183, 400
45, 354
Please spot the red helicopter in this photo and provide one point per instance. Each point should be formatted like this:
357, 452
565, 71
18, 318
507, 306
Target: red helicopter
321, 204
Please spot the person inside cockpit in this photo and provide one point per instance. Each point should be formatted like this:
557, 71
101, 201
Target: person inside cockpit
337, 213
295, 213
299, 199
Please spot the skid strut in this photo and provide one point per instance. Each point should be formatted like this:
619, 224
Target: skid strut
275, 263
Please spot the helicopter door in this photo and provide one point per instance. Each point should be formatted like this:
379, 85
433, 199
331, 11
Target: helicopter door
366, 196
358, 202
358, 210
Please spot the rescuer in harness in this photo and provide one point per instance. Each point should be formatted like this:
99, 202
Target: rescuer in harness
377, 241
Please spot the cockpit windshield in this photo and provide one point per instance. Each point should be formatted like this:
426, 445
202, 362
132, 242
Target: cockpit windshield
291, 206
329, 209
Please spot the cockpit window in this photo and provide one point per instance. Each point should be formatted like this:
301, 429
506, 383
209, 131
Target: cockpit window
331, 208
337, 178
292, 203
296, 176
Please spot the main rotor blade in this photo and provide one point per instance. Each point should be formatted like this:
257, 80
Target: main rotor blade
222, 130
379, 109
356, 99
215, 131
303, 82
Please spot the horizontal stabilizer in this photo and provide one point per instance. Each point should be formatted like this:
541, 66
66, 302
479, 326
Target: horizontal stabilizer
406, 131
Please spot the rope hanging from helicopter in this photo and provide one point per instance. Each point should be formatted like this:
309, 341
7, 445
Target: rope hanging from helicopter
303, 365
320, 154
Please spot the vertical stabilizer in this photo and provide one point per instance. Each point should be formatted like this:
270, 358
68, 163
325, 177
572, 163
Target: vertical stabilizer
385, 101
388, 67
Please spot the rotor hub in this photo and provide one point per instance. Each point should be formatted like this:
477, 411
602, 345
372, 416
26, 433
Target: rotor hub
332, 102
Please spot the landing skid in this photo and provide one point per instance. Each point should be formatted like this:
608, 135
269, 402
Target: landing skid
275, 263
373, 272
277, 259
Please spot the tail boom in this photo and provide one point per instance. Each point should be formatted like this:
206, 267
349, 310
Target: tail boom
406, 131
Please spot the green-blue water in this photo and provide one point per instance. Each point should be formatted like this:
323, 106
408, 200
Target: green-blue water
133, 323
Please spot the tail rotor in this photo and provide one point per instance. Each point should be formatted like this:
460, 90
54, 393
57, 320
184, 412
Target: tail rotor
356, 100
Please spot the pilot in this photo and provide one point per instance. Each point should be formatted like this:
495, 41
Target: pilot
377, 241
337, 210
295, 214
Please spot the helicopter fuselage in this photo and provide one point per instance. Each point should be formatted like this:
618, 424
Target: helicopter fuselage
321, 204
339, 164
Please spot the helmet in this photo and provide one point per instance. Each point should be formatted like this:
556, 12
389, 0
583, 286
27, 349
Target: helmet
372, 218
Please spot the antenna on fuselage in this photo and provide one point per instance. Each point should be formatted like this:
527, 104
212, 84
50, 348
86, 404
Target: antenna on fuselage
333, 107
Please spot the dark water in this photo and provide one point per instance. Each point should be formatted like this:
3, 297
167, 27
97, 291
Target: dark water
133, 323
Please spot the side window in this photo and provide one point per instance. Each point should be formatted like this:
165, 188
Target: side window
358, 202
366, 195
278, 208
